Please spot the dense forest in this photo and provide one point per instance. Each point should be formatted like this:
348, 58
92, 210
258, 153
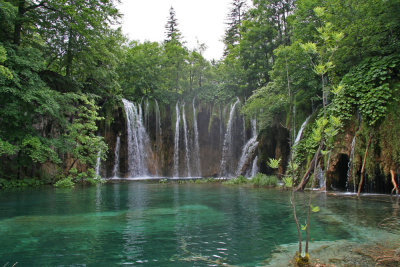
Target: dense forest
65, 66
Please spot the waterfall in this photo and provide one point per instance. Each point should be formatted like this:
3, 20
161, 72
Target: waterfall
196, 146
353, 144
320, 176
254, 169
146, 114
248, 150
98, 164
227, 146
243, 130
185, 136
138, 140
253, 127
221, 130
158, 124
176, 144
300, 133
116, 157
327, 169
158, 135
247, 154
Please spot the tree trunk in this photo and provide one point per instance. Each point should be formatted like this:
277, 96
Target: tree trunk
69, 53
292, 201
394, 182
309, 206
306, 176
363, 166
18, 22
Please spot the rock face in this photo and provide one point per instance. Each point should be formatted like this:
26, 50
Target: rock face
220, 131
274, 144
344, 167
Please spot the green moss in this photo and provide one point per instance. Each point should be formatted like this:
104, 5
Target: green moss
302, 261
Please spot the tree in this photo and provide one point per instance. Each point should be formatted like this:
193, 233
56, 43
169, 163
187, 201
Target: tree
235, 18
80, 137
197, 66
263, 29
175, 53
171, 28
141, 70
39, 46
321, 61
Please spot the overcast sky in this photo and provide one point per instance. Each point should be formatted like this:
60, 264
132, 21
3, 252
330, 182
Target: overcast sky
202, 20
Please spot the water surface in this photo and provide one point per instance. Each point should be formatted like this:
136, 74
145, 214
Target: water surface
140, 223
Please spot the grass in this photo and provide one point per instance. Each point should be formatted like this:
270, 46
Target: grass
258, 180
261, 179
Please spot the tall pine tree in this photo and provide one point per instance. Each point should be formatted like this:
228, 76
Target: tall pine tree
235, 18
171, 28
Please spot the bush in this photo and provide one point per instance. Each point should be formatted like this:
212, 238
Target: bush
264, 180
10, 184
206, 181
94, 181
65, 183
238, 180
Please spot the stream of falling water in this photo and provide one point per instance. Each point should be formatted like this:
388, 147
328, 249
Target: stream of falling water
115, 172
248, 150
185, 136
158, 134
196, 146
254, 169
98, 164
300, 133
350, 165
138, 140
227, 146
176, 140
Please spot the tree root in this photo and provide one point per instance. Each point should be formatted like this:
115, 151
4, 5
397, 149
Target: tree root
395, 187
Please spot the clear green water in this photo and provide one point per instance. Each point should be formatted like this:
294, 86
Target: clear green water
139, 223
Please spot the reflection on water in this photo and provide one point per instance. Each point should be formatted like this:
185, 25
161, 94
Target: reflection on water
174, 224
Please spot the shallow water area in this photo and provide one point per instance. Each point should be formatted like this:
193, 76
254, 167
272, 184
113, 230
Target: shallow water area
172, 224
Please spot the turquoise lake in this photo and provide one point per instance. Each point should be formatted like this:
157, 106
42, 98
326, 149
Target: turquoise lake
151, 224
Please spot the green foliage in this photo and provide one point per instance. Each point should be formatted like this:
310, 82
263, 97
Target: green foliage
23, 183
315, 208
327, 128
261, 179
258, 180
83, 144
4, 71
237, 181
206, 181
39, 151
274, 163
95, 181
7, 148
287, 182
369, 89
271, 100
65, 183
